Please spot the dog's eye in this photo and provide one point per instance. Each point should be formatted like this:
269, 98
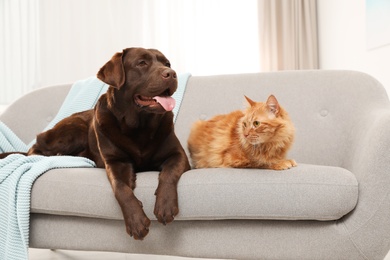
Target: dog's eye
167, 64
142, 63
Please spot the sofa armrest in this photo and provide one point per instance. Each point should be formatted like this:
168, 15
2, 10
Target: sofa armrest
31, 113
370, 162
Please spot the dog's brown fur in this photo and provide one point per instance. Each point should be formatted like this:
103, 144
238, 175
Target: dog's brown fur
126, 133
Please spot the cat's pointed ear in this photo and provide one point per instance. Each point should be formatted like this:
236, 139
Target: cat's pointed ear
250, 101
273, 104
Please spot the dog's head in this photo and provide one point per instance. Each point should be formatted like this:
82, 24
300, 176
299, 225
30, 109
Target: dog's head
142, 78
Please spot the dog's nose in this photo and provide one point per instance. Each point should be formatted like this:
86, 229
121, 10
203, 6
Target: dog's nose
168, 73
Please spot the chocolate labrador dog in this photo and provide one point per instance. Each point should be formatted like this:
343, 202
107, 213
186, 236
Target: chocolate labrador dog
130, 130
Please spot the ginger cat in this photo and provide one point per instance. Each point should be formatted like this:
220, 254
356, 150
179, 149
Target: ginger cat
258, 137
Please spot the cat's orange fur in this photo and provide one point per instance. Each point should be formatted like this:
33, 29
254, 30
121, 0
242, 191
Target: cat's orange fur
258, 137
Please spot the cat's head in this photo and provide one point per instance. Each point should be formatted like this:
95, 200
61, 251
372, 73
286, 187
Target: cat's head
264, 122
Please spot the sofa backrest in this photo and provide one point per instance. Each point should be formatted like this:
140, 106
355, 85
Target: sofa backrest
326, 107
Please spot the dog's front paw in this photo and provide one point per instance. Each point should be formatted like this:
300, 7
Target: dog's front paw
137, 223
138, 227
166, 207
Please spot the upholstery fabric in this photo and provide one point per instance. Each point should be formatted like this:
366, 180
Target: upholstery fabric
308, 192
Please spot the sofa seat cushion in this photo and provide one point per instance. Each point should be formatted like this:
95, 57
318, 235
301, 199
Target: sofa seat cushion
306, 192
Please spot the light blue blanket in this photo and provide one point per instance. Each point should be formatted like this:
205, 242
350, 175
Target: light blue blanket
18, 172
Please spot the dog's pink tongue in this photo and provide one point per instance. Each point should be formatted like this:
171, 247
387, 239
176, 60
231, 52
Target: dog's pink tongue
168, 103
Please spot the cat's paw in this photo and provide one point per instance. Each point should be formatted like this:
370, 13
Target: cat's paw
293, 163
283, 165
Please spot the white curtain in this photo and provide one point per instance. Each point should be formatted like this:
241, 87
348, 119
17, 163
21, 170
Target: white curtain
206, 36
47, 42
19, 48
202, 37
288, 33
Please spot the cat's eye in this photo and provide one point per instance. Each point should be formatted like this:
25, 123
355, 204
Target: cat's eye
256, 123
244, 124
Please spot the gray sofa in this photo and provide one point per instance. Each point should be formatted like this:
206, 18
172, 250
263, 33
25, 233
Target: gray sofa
334, 205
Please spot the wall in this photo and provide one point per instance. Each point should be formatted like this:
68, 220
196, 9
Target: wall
342, 40
79, 37
48, 42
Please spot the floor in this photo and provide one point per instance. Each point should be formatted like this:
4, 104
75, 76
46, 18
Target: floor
45, 254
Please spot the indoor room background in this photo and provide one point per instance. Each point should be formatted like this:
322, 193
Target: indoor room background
48, 42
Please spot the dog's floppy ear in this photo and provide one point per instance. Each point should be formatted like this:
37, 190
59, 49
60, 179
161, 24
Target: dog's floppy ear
113, 72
